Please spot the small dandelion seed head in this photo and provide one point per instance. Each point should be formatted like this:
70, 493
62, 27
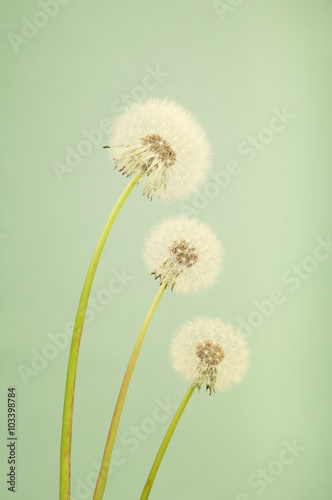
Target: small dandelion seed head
163, 144
184, 254
207, 351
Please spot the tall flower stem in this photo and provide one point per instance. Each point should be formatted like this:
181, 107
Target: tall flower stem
164, 444
67, 421
103, 473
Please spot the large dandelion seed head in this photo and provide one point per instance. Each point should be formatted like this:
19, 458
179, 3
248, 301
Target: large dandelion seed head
184, 254
206, 351
162, 143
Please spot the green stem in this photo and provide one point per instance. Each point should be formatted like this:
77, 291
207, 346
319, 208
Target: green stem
164, 444
103, 473
67, 421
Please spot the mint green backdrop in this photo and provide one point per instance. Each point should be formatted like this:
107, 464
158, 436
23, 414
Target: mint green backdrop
257, 75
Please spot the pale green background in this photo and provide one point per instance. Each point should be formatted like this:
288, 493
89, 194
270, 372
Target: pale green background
231, 74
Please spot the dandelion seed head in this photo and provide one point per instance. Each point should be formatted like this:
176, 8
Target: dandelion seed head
207, 351
161, 142
183, 253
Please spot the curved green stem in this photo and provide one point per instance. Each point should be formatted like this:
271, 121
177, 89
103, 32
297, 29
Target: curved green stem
65, 453
164, 444
103, 473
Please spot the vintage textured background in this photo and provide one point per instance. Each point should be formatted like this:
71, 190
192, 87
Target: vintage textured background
68, 66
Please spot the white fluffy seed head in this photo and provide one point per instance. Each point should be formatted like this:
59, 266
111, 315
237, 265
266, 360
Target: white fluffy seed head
183, 253
162, 143
206, 351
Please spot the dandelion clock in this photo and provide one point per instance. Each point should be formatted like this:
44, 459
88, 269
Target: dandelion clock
205, 351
